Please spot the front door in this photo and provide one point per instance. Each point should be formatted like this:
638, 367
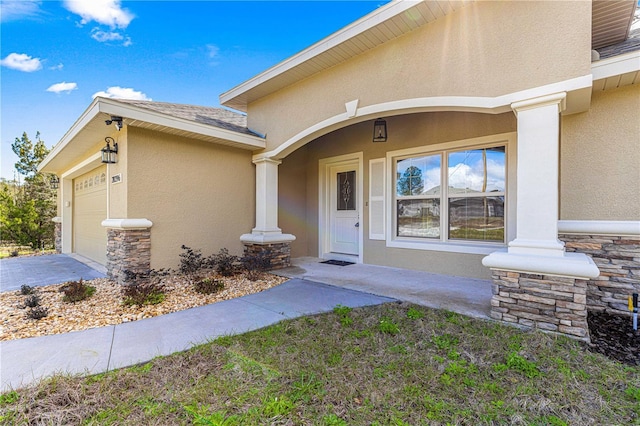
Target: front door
344, 220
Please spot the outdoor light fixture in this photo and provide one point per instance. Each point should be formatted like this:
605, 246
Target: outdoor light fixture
380, 130
55, 181
109, 153
114, 119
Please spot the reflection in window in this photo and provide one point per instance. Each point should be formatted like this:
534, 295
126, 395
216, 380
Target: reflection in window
472, 197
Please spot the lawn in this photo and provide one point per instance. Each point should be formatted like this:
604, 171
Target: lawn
394, 364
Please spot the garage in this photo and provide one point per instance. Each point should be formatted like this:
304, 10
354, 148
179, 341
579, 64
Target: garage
90, 209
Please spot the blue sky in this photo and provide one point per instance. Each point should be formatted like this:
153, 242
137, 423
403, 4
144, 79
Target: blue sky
56, 56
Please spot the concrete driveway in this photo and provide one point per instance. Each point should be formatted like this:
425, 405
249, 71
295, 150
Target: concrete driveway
43, 270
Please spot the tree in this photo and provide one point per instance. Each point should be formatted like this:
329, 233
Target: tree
411, 182
26, 209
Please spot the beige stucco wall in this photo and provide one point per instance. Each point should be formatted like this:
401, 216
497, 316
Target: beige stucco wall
195, 193
485, 49
298, 183
600, 158
118, 192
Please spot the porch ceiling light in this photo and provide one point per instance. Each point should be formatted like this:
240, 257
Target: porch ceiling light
380, 130
108, 152
55, 181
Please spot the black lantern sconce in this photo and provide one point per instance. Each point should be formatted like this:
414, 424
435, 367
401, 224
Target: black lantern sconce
55, 182
380, 130
108, 152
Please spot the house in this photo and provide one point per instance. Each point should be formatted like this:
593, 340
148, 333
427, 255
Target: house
520, 118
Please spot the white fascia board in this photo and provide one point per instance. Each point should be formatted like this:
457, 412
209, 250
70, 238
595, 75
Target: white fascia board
618, 65
80, 123
356, 28
126, 111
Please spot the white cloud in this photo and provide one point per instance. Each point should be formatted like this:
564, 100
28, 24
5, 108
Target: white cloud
62, 87
105, 12
103, 36
213, 50
11, 10
117, 92
21, 62
127, 42
57, 67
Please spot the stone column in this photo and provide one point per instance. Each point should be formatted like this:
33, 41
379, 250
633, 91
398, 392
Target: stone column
128, 248
536, 283
57, 236
267, 235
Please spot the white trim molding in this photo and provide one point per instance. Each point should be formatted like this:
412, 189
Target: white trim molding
600, 227
57, 219
127, 223
572, 265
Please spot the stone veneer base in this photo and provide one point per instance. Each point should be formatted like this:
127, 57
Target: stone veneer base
128, 250
58, 237
280, 253
618, 258
556, 304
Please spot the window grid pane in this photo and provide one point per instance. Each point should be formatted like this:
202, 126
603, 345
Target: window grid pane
418, 218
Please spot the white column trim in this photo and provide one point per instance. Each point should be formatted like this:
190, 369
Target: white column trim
600, 227
127, 223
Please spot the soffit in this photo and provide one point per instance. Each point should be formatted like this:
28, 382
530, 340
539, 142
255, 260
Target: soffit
380, 26
86, 136
610, 21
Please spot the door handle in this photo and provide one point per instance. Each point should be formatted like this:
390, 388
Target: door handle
357, 225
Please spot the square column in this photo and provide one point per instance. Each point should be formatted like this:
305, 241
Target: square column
535, 282
267, 236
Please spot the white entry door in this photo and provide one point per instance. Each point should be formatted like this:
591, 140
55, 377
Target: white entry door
344, 220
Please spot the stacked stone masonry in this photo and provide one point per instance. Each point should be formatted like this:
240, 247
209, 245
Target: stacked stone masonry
58, 237
545, 302
280, 253
618, 259
128, 250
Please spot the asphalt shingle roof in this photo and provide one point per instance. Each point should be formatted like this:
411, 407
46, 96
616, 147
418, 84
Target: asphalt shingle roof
216, 117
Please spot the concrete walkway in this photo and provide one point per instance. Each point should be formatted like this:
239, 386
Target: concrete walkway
314, 288
467, 296
25, 361
45, 270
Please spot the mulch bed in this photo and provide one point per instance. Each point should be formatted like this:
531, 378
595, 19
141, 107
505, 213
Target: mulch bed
614, 337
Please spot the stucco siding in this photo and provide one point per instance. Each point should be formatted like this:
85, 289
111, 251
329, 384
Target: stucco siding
299, 187
485, 49
600, 158
195, 193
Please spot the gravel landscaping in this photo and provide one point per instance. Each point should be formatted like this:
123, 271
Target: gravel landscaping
105, 307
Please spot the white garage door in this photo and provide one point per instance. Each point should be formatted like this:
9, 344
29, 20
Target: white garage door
89, 210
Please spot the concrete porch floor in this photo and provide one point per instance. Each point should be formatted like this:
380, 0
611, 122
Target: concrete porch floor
467, 296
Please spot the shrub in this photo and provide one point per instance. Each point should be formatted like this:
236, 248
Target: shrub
76, 291
26, 289
224, 263
255, 264
32, 301
37, 313
208, 286
14, 253
191, 261
143, 293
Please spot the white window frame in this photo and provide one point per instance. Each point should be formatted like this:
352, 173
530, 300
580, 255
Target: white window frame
443, 244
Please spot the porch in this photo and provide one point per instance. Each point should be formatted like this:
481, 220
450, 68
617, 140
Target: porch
466, 296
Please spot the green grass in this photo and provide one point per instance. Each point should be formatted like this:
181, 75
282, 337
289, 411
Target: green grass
395, 364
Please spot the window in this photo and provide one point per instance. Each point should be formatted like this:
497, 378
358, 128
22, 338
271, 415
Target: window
449, 195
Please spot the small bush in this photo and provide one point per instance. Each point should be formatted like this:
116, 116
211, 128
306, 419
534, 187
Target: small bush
256, 264
14, 253
26, 290
32, 301
224, 263
76, 291
208, 286
143, 293
191, 261
37, 313
386, 325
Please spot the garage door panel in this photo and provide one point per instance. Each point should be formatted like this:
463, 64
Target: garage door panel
90, 209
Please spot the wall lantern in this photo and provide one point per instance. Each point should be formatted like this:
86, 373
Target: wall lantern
109, 153
380, 130
55, 181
